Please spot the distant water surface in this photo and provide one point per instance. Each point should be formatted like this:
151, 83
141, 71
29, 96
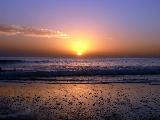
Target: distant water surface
80, 70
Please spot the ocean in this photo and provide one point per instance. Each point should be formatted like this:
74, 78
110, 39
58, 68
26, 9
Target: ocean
80, 70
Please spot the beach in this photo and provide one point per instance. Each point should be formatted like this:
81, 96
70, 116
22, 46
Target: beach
115, 101
79, 60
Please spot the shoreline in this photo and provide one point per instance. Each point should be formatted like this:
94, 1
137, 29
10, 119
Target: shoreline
91, 81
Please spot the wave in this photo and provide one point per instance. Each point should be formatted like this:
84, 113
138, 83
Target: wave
88, 71
10, 61
69, 70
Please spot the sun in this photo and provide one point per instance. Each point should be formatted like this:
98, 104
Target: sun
79, 47
79, 54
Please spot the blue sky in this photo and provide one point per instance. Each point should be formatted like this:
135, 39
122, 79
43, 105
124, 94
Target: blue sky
55, 13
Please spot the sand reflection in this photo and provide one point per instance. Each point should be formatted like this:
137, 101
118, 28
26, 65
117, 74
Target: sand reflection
79, 101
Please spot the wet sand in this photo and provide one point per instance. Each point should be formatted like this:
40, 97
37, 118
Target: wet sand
39, 101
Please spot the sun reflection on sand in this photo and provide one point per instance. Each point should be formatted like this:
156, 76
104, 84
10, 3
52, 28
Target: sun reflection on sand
74, 101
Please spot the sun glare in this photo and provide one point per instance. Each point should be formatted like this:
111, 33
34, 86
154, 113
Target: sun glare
79, 53
80, 47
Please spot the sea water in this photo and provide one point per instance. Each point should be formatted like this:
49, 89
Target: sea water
80, 70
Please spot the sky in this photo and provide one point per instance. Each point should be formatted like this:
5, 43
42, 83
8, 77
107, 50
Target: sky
79, 27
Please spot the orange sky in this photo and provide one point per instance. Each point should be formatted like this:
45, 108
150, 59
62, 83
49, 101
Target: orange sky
89, 44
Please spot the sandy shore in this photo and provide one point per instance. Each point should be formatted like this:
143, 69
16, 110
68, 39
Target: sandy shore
40, 101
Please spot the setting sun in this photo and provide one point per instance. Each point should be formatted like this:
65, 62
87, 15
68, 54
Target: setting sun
80, 47
79, 53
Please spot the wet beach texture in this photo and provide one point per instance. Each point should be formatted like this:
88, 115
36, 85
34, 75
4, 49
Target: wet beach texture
39, 101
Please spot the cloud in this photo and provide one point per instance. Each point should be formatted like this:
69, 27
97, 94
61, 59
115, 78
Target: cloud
32, 32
